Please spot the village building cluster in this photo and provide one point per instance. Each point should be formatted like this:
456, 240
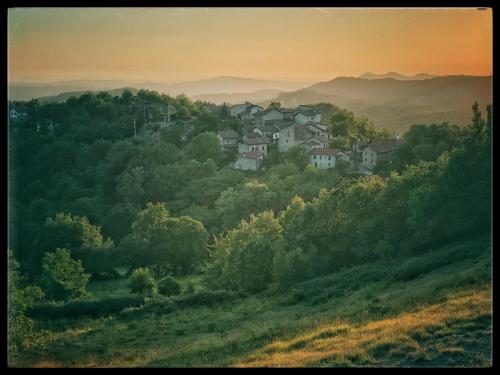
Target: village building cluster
297, 127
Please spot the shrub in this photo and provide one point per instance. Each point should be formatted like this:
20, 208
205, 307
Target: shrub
169, 287
142, 281
62, 277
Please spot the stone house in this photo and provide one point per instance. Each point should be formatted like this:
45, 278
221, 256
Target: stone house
228, 140
377, 152
293, 135
305, 114
249, 161
248, 144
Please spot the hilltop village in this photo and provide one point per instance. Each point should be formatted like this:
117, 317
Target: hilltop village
298, 127
262, 130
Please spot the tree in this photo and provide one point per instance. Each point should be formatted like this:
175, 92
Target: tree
235, 204
242, 258
187, 241
130, 186
142, 281
177, 245
202, 147
62, 277
169, 287
21, 332
79, 236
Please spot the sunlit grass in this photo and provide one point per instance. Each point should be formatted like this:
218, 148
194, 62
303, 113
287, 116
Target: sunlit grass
372, 343
363, 316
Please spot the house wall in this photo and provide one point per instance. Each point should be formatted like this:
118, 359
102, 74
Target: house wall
303, 119
368, 158
322, 161
227, 143
286, 138
243, 147
245, 164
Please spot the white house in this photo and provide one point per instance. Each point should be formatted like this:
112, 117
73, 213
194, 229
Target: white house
253, 144
326, 158
293, 135
305, 114
17, 116
378, 151
228, 139
268, 115
249, 160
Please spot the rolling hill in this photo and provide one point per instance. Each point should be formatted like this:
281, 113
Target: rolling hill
218, 85
236, 97
395, 75
397, 104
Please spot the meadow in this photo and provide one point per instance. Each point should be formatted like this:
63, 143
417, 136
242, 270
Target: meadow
426, 311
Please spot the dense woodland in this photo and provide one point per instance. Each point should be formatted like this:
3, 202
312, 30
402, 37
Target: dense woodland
88, 202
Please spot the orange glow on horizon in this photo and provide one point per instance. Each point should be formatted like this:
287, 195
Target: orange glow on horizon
176, 44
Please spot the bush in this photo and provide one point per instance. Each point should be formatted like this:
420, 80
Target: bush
62, 277
142, 281
155, 306
169, 287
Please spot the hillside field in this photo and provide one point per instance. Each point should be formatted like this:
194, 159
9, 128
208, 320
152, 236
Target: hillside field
420, 311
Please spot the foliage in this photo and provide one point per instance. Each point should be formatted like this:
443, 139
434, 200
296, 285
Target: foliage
168, 287
62, 277
142, 281
21, 332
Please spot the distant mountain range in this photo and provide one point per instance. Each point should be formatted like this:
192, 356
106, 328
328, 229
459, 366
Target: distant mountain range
218, 85
397, 104
235, 97
397, 76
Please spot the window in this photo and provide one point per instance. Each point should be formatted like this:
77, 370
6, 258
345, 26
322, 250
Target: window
329, 158
287, 140
314, 157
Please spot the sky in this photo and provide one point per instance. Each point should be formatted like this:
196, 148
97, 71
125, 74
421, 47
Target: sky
182, 44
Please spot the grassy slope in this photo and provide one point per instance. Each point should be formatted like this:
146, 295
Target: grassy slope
433, 310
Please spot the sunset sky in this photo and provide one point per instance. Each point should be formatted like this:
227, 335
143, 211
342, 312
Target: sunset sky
177, 44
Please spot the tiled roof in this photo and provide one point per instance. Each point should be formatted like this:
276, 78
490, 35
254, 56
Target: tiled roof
325, 151
317, 125
228, 134
281, 124
386, 145
301, 133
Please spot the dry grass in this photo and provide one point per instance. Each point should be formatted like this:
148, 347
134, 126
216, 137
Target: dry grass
372, 343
